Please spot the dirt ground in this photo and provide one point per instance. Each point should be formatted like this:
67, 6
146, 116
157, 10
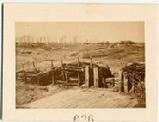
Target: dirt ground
114, 55
85, 98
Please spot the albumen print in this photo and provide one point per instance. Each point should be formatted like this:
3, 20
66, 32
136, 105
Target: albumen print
80, 65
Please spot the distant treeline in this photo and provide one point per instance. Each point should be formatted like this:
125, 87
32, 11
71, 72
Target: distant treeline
26, 39
68, 43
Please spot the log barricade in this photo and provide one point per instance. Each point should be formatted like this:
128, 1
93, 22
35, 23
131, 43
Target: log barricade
71, 74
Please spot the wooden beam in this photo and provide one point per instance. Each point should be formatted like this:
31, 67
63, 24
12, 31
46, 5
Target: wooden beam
73, 69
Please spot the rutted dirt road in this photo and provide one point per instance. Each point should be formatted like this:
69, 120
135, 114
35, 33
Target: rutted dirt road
85, 98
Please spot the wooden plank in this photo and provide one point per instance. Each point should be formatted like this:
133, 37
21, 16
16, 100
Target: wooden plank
125, 82
95, 76
70, 84
78, 72
19, 71
87, 76
121, 81
73, 69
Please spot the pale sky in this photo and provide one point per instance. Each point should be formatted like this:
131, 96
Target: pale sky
82, 31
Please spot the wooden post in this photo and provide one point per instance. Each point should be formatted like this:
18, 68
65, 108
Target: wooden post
78, 73
66, 77
35, 67
63, 72
87, 76
113, 82
125, 82
91, 63
103, 81
61, 62
133, 80
24, 74
52, 70
121, 77
52, 64
95, 76
132, 90
38, 82
78, 79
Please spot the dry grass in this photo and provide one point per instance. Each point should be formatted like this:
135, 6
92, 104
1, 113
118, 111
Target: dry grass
114, 55
27, 93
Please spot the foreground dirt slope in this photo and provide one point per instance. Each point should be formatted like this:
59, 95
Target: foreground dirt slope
85, 98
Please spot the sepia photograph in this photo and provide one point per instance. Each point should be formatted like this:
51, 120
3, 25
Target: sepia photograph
80, 62
84, 64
